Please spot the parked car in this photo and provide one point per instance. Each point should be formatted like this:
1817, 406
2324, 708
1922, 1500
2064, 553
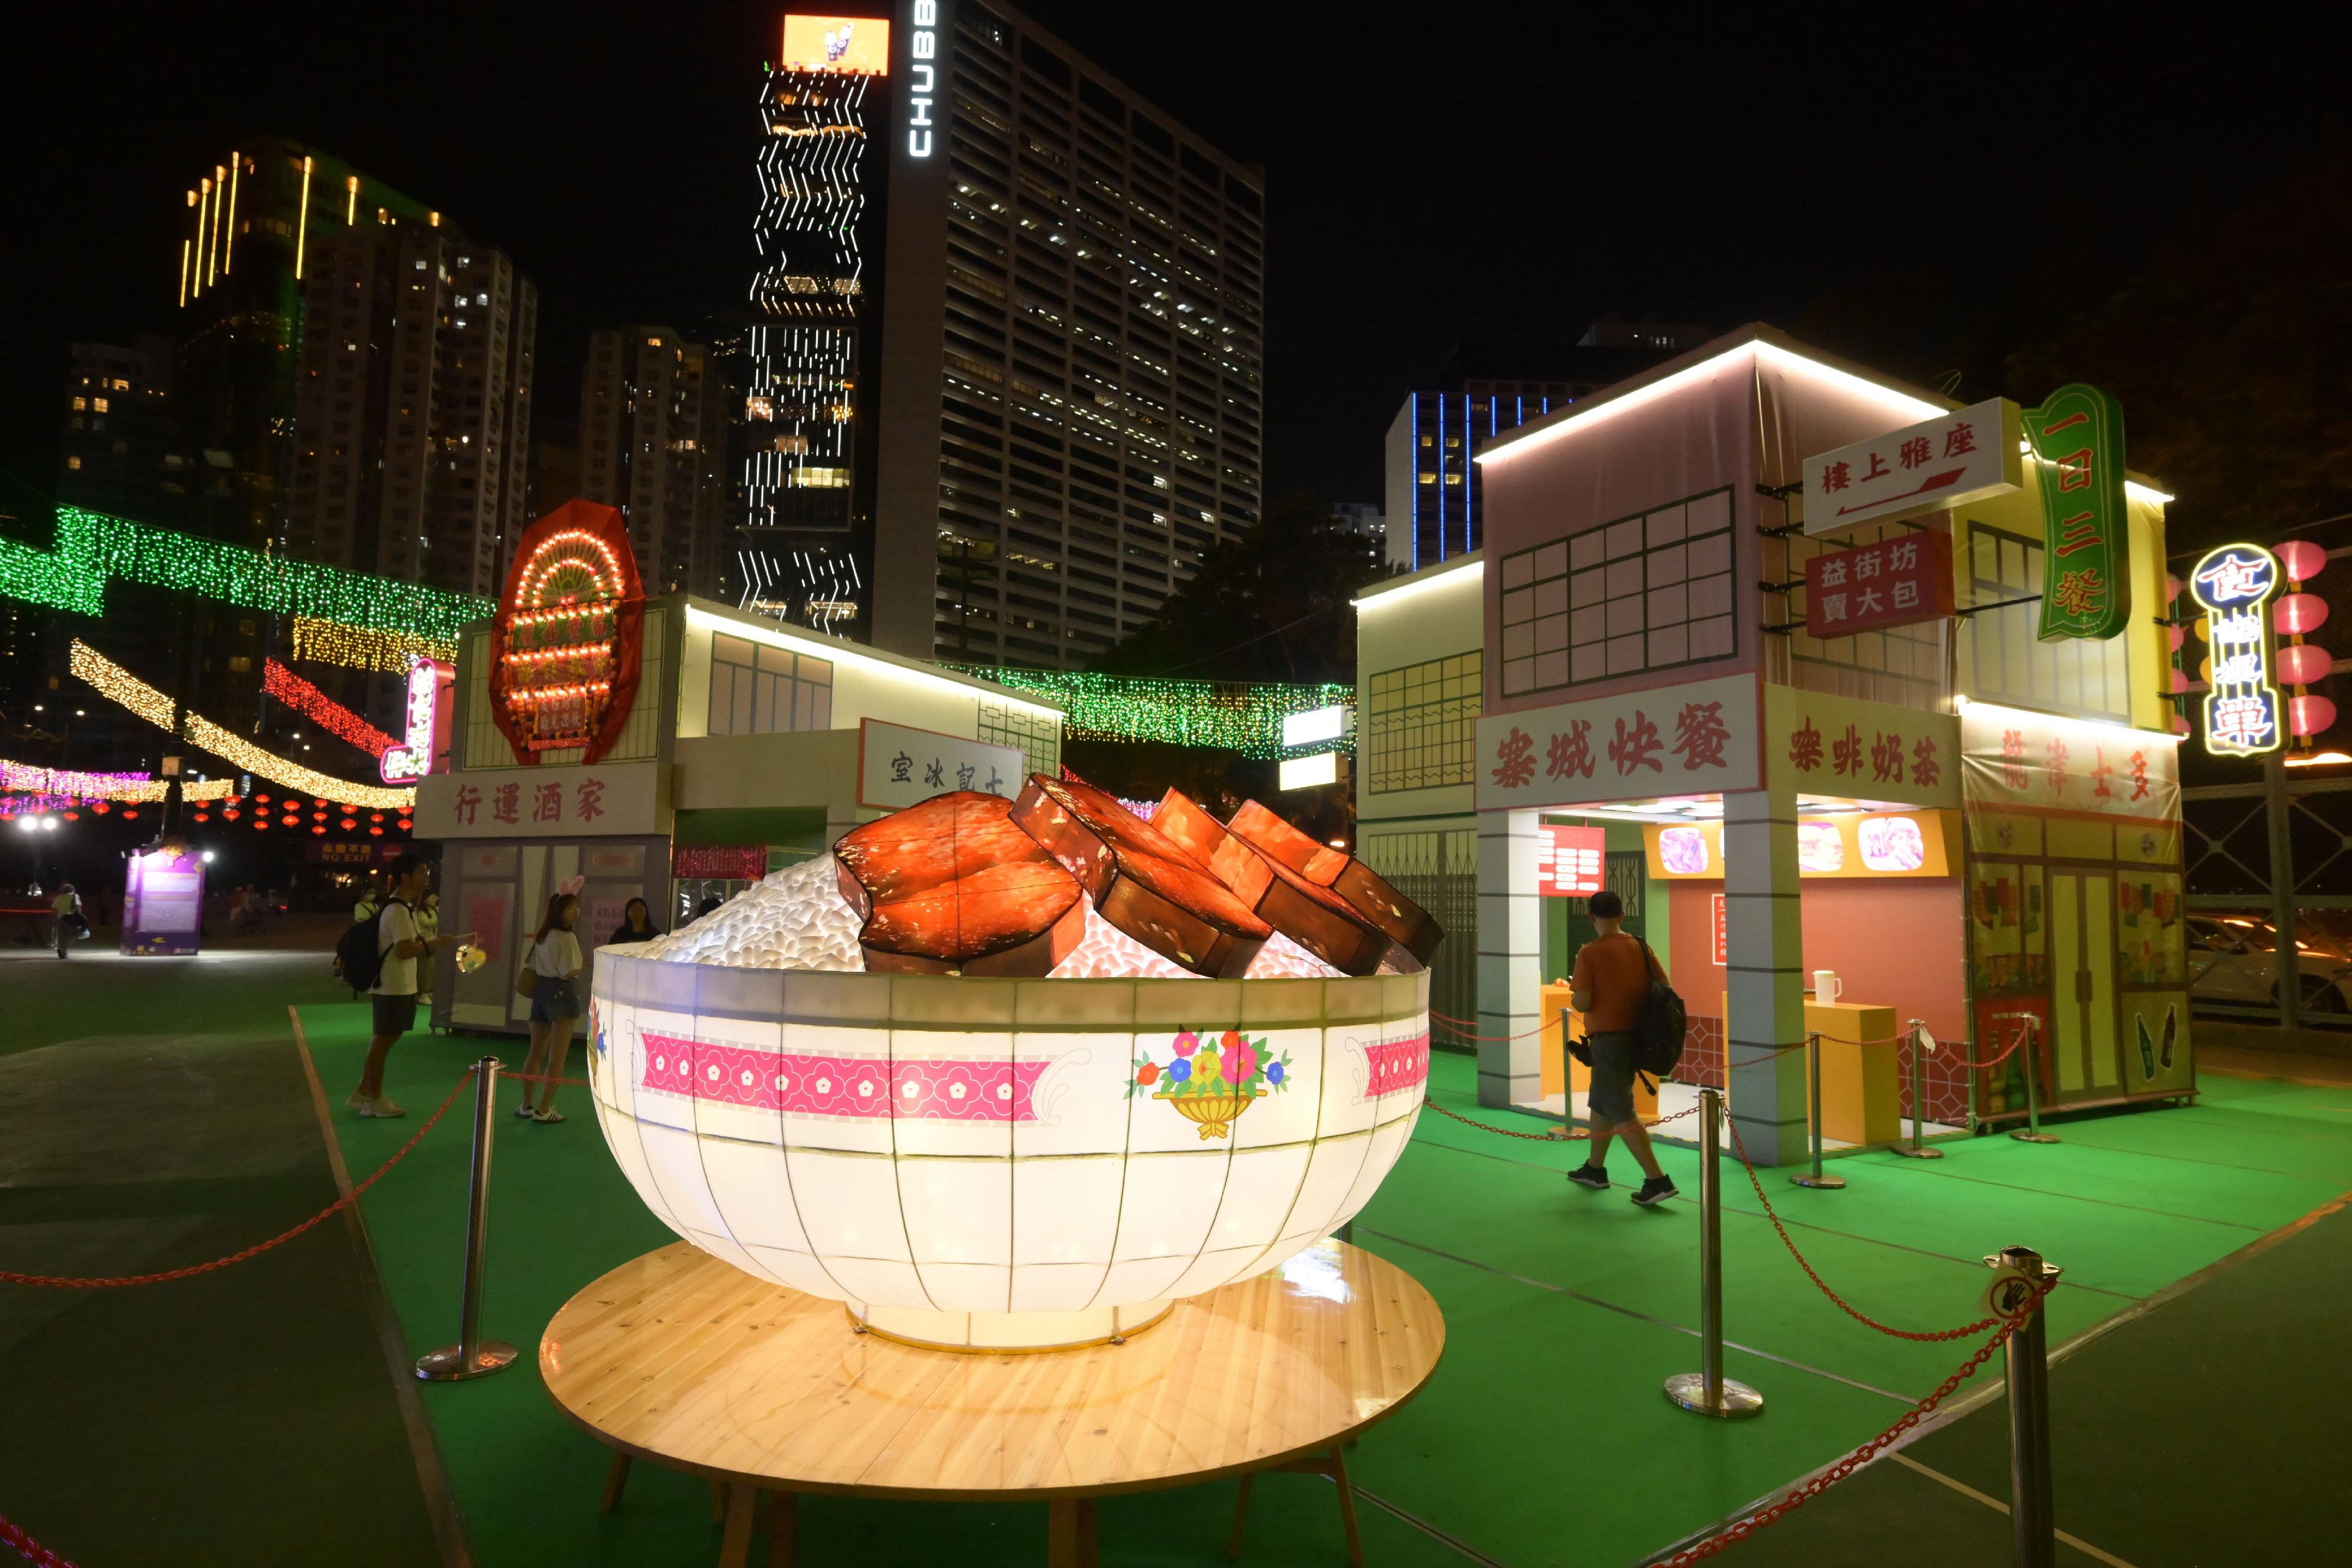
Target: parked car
2232, 959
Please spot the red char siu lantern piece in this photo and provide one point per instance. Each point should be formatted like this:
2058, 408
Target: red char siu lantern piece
568, 640
1366, 892
950, 886
1142, 880
1314, 917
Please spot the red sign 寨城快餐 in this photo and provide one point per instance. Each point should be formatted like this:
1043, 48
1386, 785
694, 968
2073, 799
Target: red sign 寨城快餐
1569, 862
1894, 582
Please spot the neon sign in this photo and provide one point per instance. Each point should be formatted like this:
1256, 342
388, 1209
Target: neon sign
2233, 584
923, 45
427, 723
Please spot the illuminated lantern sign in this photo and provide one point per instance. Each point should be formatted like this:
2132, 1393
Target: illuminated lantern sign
2078, 447
428, 723
569, 636
2232, 585
1569, 860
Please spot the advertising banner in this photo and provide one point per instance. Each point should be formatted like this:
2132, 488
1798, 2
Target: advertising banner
1692, 739
1857, 750
2014, 760
2078, 450
1894, 582
898, 765
1931, 467
539, 802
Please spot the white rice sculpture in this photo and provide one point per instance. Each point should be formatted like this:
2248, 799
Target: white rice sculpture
987, 1162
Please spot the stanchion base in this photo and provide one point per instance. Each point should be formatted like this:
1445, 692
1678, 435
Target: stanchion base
1688, 1389
2034, 1137
449, 1364
1908, 1152
1808, 1180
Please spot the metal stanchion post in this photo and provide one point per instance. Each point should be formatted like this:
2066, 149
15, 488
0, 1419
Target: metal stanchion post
1707, 1391
1814, 1067
472, 1357
2033, 1521
1918, 1149
2032, 1133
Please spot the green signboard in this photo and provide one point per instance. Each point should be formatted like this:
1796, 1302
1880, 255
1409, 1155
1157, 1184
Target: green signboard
2078, 451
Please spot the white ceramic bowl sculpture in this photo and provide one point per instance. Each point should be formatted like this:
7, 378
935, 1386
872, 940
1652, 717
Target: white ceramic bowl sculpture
977, 1160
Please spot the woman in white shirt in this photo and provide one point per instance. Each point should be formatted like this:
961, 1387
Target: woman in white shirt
555, 1004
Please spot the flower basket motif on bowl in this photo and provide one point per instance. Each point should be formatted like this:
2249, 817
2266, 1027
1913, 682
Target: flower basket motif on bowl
1211, 1080
1214, 1113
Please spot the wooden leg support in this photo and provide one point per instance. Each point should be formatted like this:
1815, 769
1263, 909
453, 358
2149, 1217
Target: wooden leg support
783, 1525
735, 1538
1240, 1515
1333, 1465
718, 1503
1070, 1532
617, 1480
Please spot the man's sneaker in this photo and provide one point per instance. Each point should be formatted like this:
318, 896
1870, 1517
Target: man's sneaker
525, 1110
547, 1118
1592, 1175
1655, 1191
380, 1107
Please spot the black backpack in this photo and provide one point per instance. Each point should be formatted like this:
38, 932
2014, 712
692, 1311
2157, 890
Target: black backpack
1658, 1033
356, 954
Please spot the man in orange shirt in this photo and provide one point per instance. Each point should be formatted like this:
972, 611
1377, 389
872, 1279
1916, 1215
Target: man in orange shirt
1611, 982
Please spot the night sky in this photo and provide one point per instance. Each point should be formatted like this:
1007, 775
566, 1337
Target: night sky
1922, 188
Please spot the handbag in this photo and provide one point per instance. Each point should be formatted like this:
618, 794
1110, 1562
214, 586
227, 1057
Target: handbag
527, 981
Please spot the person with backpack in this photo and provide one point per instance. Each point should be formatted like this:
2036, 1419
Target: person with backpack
1614, 980
382, 956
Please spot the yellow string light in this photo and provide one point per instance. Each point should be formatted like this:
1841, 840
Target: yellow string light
120, 686
28, 778
362, 648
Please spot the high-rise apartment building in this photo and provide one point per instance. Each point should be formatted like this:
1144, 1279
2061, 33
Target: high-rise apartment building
652, 439
1435, 504
1005, 389
412, 411
119, 455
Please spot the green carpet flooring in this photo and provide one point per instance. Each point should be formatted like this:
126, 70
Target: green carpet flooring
154, 1112
1543, 1438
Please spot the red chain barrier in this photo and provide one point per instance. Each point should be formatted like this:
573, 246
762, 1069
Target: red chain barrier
257, 1248
1558, 1135
1859, 1316
1743, 1528
1459, 1033
2005, 1053
33, 1551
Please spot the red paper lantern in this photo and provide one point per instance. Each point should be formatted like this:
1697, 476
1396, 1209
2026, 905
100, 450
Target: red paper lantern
2181, 680
129, 816
319, 829
73, 816
2300, 560
375, 832
2171, 588
203, 817
101, 807
2303, 662
2299, 613
261, 824
2309, 716
262, 800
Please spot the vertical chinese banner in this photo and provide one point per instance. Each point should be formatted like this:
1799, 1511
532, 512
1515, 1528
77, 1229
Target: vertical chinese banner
2078, 451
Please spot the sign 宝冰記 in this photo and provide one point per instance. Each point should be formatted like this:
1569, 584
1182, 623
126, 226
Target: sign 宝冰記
1569, 860
2234, 586
1894, 582
542, 802
1945, 462
1691, 739
2078, 454
898, 765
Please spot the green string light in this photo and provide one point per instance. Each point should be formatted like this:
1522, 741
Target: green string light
1229, 714
94, 549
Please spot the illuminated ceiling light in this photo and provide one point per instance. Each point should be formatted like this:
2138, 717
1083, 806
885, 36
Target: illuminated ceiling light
351, 199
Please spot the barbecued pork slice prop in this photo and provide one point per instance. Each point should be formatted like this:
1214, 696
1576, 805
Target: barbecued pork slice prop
1314, 917
1366, 892
950, 886
1142, 880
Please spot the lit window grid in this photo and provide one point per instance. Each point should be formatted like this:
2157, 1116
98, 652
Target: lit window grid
1423, 727
757, 688
1652, 590
2003, 652
1449, 489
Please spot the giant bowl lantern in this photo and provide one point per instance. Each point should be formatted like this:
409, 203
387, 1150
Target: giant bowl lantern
569, 636
1017, 1074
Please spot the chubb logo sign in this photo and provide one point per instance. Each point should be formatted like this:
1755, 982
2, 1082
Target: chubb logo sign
923, 78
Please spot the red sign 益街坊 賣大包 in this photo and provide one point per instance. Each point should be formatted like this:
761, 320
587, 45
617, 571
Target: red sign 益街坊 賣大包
1894, 582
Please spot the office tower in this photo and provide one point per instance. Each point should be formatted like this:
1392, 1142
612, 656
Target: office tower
119, 456
1435, 504
651, 435
413, 415
1005, 390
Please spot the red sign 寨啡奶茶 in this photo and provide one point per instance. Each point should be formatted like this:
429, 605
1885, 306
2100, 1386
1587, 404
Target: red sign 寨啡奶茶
1894, 582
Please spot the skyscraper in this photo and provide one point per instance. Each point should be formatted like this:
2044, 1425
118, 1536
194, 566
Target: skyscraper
1005, 391
119, 453
651, 436
413, 413
1436, 509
